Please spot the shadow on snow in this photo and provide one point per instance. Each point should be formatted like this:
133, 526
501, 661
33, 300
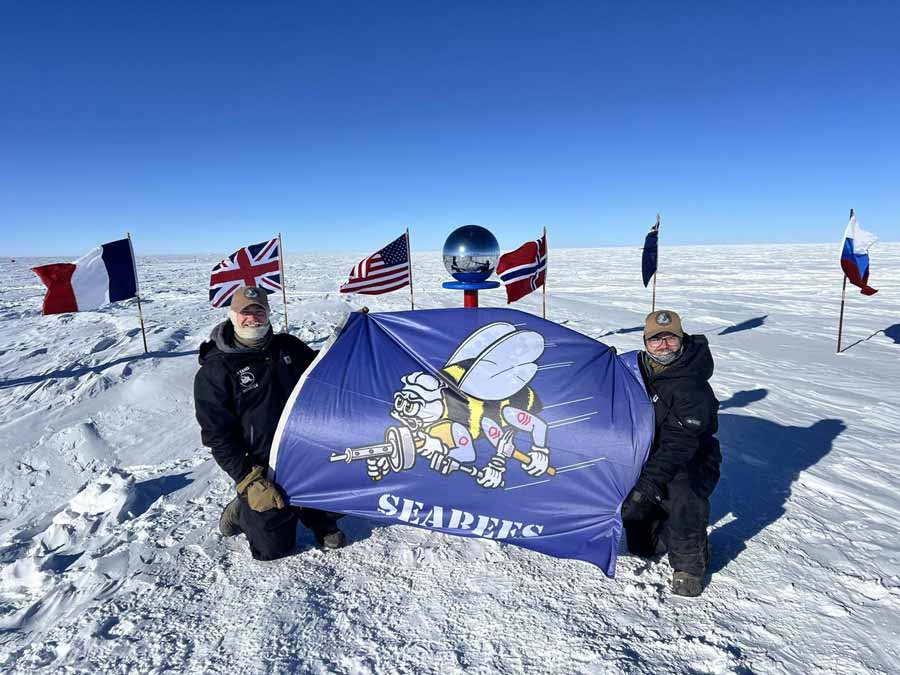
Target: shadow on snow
742, 399
761, 461
78, 371
893, 332
755, 322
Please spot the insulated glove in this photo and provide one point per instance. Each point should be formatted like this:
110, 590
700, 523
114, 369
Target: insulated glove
641, 501
262, 494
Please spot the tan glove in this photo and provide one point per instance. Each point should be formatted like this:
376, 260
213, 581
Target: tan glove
262, 494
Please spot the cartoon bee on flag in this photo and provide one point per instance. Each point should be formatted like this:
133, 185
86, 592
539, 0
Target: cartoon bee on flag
483, 391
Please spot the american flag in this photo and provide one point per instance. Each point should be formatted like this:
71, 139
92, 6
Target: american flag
254, 265
523, 270
382, 272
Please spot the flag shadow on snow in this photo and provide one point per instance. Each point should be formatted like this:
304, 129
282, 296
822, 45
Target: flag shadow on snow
622, 331
755, 322
744, 398
761, 461
893, 332
78, 371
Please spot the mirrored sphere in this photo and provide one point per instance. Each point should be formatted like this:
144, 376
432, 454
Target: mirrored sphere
471, 253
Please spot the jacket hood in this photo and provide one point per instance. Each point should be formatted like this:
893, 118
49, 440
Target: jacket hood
221, 340
695, 362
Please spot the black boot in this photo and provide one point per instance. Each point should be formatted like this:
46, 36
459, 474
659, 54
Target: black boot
228, 521
686, 584
331, 540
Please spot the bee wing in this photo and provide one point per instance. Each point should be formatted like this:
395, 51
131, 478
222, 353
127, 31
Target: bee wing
504, 367
475, 344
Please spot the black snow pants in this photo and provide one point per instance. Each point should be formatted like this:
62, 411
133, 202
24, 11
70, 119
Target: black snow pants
273, 534
677, 525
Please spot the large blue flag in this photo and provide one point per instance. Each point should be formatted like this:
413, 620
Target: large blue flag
477, 422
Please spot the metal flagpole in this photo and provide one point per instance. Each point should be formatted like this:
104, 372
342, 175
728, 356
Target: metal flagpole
412, 305
656, 271
546, 267
283, 281
841, 320
843, 297
138, 294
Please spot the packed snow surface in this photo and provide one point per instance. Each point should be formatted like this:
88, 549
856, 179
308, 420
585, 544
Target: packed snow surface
110, 560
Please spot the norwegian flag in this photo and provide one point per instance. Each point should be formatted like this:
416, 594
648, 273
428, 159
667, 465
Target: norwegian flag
523, 270
254, 265
384, 271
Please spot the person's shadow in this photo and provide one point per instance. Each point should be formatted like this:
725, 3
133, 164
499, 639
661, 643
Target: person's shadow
761, 461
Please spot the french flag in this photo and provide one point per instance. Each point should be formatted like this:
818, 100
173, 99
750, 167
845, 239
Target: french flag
106, 274
855, 255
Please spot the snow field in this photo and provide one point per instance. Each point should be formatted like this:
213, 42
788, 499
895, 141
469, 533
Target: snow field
110, 560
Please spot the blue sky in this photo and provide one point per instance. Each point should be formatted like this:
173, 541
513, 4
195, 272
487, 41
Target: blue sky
201, 127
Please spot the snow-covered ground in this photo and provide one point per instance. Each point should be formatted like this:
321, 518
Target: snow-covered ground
110, 560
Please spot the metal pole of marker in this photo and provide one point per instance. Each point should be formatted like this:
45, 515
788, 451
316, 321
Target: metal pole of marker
546, 269
412, 304
137, 291
843, 297
283, 280
656, 271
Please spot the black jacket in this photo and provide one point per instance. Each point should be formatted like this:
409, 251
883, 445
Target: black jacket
239, 395
686, 419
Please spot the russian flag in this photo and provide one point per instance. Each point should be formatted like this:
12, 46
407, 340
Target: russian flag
106, 274
855, 255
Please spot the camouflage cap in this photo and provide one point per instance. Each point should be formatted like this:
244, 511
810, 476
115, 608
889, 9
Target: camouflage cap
662, 321
249, 295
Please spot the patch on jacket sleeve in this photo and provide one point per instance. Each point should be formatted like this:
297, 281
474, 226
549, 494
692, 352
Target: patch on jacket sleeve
692, 422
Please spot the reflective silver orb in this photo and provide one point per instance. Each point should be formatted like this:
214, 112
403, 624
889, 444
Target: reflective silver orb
471, 253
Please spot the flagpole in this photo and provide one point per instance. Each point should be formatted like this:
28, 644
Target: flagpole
841, 320
412, 305
283, 280
137, 295
546, 267
656, 271
843, 297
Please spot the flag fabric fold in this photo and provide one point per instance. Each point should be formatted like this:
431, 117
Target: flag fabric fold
105, 274
523, 270
488, 423
855, 256
650, 254
384, 271
254, 265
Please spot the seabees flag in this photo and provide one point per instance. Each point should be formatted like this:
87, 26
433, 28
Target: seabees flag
488, 423
105, 274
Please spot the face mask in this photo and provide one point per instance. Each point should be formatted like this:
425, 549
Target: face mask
665, 359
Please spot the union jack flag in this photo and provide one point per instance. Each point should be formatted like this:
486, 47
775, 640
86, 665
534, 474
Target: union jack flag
523, 270
254, 265
384, 271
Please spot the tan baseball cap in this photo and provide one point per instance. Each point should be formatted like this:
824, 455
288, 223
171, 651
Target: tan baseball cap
662, 321
249, 295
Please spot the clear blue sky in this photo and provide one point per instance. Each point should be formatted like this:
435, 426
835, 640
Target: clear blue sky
204, 126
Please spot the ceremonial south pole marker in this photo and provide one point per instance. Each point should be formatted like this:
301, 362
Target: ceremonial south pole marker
470, 256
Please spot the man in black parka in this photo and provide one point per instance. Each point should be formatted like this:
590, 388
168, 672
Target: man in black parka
669, 505
246, 376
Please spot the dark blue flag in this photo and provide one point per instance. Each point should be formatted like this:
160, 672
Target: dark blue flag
489, 423
651, 253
